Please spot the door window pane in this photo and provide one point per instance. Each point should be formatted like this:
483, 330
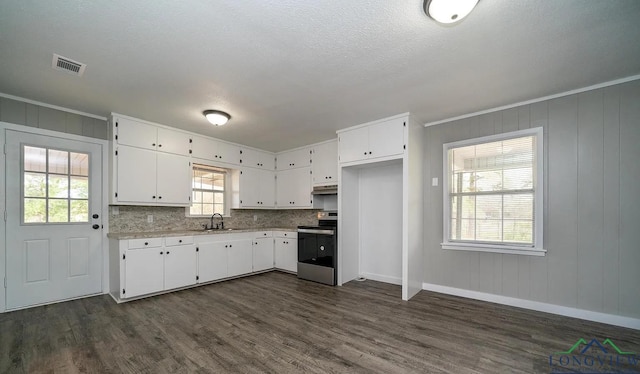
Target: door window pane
55, 186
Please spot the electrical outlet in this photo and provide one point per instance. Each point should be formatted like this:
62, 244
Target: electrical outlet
255, 218
434, 182
115, 210
150, 218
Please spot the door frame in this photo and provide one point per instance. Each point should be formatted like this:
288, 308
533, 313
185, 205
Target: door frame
104, 205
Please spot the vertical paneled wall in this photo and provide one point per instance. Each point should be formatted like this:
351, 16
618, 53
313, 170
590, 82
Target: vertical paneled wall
591, 207
26, 114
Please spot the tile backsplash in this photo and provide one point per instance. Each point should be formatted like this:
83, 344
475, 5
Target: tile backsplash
134, 219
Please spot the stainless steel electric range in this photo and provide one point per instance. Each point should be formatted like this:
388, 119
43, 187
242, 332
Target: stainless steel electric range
318, 249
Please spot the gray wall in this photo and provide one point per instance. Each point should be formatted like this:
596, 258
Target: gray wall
21, 113
591, 207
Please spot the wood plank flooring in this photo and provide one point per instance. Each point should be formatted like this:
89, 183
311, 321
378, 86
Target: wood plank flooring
275, 323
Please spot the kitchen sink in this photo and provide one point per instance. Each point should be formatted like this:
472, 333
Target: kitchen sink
212, 230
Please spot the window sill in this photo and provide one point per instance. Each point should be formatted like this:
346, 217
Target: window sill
512, 250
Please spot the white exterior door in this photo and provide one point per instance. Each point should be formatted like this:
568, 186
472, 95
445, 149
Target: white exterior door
54, 219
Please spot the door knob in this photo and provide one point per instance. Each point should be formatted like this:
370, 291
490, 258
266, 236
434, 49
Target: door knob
95, 226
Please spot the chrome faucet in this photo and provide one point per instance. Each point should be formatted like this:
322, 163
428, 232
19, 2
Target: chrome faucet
218, 225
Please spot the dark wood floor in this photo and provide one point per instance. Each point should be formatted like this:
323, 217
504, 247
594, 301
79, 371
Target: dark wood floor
276, 323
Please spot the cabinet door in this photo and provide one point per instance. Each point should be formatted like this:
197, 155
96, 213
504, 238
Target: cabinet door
249, 188
325, 164
262, 254
387, 138
203, 148
239, 257
257, 159
286, 254
136, 134
267, 188
173, 142
136, 175
298, 158
293, 188
173, 179
180, 266
228, 153
212, 261
144, 269
353, 145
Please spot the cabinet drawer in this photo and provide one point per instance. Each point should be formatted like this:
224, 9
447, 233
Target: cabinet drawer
145, 243
178, 240
263, 234
285, 234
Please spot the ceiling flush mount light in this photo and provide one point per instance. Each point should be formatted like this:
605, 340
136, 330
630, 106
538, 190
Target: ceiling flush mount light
216, 117
448, 11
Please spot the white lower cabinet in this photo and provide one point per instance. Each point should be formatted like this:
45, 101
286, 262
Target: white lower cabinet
239, 257
212, 261
140, 267
152, 267
286, 251
263, 252
144, 272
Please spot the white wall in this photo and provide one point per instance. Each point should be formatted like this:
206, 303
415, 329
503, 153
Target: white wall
381, 222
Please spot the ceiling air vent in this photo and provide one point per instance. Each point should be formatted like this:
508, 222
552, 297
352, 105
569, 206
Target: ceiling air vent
68, 65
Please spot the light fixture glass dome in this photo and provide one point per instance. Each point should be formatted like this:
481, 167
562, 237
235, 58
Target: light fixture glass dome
449, 11
216, 117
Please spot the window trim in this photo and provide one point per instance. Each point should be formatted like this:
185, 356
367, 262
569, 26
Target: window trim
227, 190
538, 209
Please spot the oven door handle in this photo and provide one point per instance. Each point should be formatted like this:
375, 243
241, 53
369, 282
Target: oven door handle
315, 231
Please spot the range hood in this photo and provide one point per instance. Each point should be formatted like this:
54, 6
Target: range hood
325, 190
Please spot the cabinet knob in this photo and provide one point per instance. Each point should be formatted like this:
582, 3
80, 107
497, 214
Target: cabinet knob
167, 252
230, 245
146, 243
180, 241
153, 145
365, 153
160, 145
369, 152
159, 197
226, 246
265, 234
153, 197
161, 253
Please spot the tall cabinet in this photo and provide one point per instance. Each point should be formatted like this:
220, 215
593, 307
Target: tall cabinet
394, 146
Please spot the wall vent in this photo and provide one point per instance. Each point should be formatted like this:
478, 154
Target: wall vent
68, 65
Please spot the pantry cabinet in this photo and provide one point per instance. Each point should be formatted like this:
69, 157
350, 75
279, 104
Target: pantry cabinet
377, 141
151, 178
325, 164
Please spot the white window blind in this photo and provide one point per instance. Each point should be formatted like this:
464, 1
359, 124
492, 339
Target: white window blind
492, 192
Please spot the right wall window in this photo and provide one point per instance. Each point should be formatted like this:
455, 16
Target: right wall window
493, 198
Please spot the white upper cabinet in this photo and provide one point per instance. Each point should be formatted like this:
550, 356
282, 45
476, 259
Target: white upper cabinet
257, 188
297, 158
381, 140
293, 188
257, 159
144, 135
151, 178
215, 150
325, 163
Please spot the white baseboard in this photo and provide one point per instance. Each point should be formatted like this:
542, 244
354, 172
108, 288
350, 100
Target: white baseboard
611, 319
383, 278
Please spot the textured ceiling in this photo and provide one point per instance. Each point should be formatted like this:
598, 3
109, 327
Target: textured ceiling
293, 72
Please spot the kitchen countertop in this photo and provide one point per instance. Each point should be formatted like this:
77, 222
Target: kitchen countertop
163, 234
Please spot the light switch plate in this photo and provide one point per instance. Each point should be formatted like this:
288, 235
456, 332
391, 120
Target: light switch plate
434, 181
150, 218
